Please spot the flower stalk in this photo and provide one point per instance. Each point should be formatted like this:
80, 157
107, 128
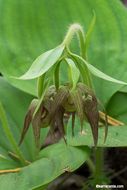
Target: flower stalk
78, 30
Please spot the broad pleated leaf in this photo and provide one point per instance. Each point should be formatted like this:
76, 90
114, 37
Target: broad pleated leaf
29, 28
52, 164
116, 135
117, 106
25, 33
15, 103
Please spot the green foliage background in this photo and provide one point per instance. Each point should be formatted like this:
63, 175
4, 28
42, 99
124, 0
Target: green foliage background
28, 28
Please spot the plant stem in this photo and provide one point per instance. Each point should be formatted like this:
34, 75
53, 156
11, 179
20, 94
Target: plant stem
99, 165
91, 165
77, 29
56, 76
40, 85
9, 134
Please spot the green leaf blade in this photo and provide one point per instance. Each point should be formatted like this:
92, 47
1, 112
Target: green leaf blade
49, 166
73, 71
96, 72
15, 103
116, 136
43, 63
89, 32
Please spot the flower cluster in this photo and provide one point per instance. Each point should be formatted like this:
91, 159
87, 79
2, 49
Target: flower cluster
56, 104
55, 99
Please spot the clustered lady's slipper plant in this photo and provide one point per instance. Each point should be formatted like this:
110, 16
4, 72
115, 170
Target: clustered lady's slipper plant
55, 100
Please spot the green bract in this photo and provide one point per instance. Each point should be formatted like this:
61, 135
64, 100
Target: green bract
96, 72
43, 63
73, 72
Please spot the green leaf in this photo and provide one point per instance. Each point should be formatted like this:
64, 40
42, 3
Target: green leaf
52, 164
9, 134
7, 163
24, 85
85, 74
43, 63
15, 103
31, 176
73, 72
117, 106
89, 32
96, 72
116, 136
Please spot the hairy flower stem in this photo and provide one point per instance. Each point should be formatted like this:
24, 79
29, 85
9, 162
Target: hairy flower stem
77, 29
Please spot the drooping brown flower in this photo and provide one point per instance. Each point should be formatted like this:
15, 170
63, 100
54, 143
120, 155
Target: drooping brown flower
90, 107
55, 105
